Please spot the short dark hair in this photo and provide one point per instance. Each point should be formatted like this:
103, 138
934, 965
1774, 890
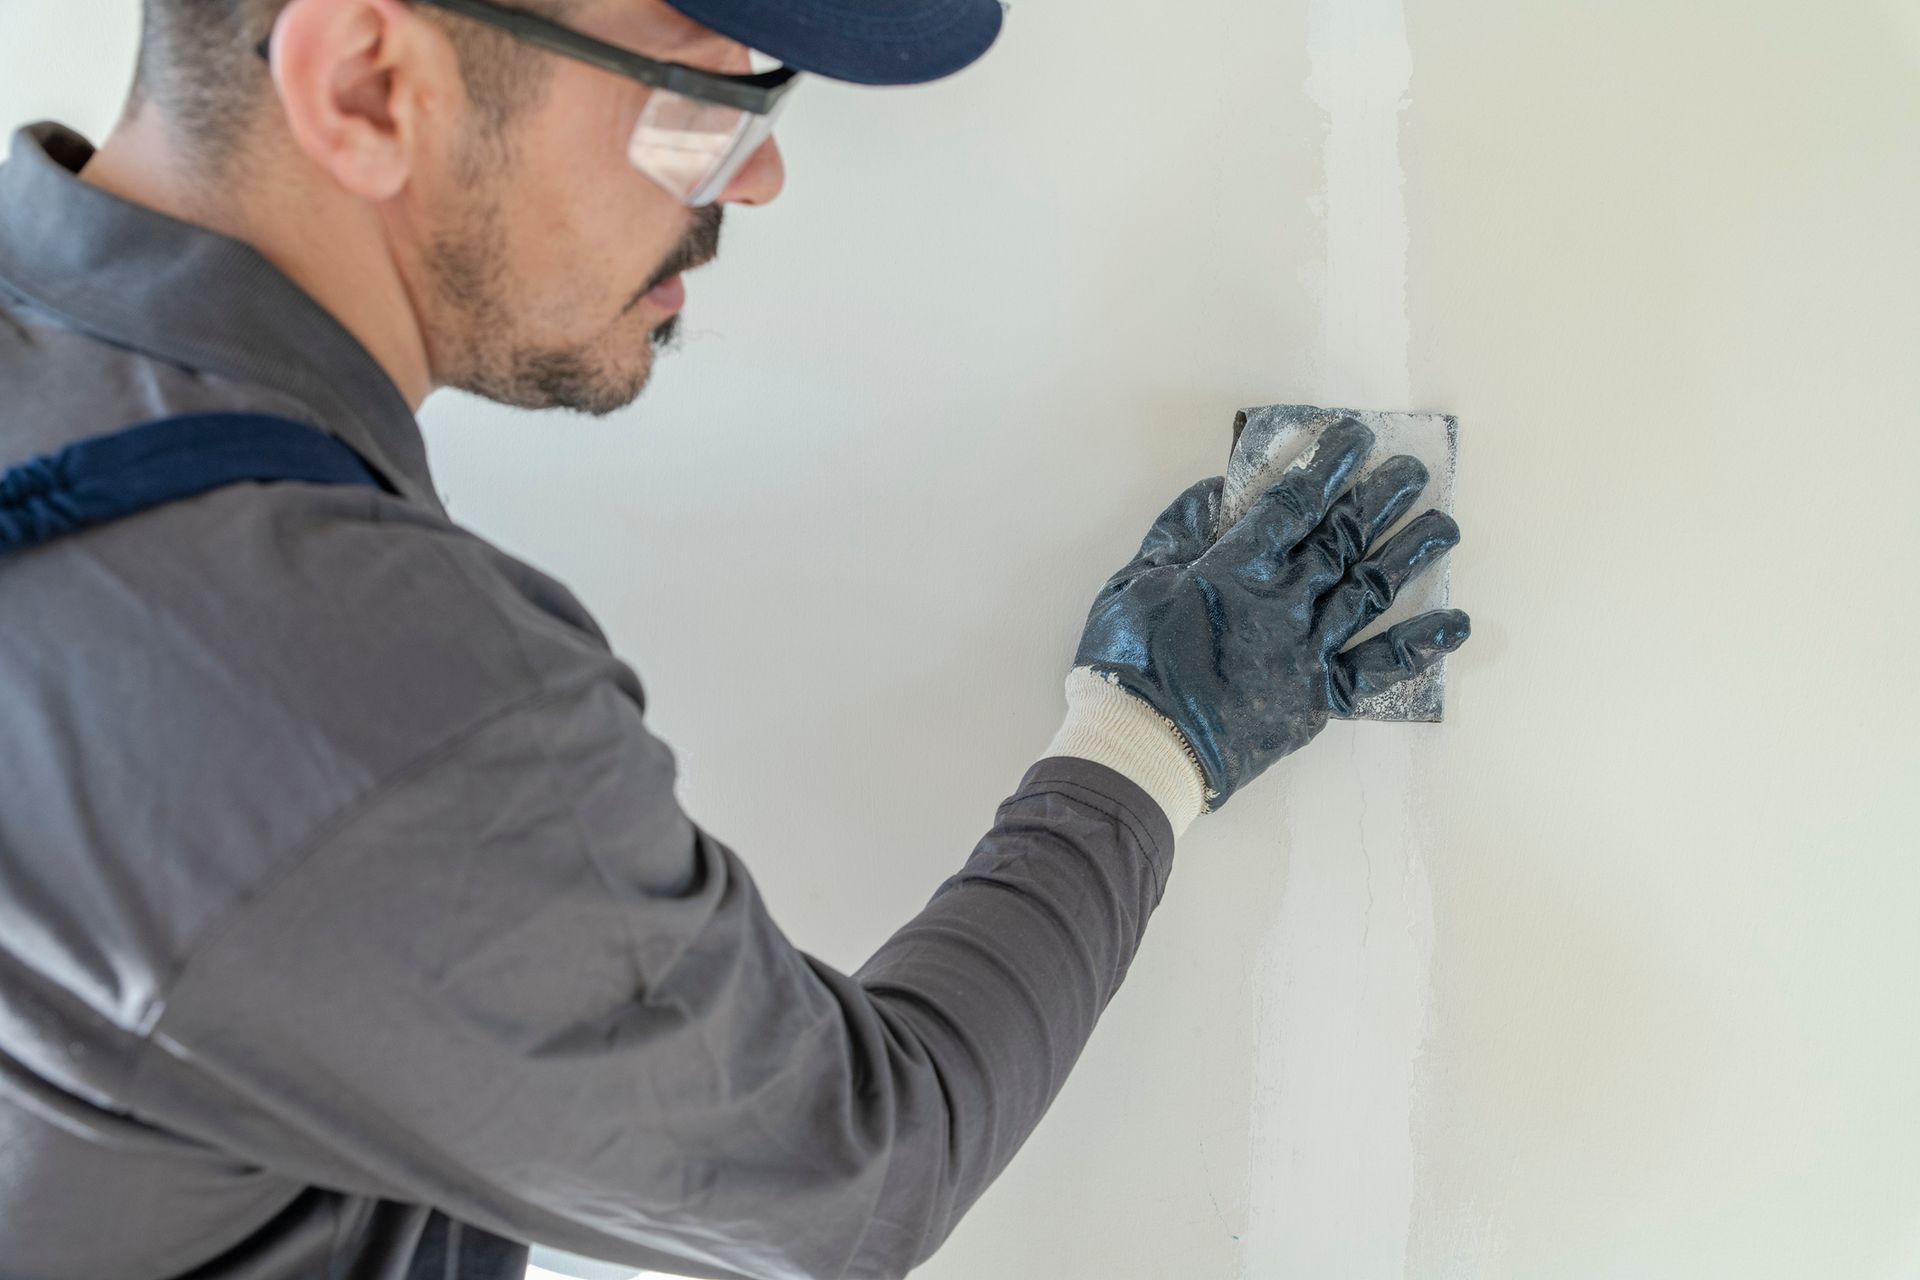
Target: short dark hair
197, 64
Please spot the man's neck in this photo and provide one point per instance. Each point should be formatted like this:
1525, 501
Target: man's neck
336, 259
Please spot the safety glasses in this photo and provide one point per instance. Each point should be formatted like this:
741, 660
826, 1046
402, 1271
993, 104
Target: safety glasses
698, 127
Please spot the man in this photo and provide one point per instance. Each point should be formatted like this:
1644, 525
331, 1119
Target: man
349, 925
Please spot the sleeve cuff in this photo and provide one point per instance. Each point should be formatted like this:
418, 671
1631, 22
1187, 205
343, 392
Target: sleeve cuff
1108, 725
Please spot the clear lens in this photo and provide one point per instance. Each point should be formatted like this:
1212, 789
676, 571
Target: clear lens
694, 148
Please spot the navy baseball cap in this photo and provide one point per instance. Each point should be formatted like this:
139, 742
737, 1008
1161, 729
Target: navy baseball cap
861, 41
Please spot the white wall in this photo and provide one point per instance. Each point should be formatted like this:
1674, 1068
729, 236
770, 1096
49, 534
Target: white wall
1613, 975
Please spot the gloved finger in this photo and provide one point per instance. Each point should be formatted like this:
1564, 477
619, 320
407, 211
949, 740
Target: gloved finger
1370, 586
1182, 531
1292, 506
1356, 521
1399, 653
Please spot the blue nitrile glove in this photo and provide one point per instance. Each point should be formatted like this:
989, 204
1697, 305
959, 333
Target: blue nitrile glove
1238, 644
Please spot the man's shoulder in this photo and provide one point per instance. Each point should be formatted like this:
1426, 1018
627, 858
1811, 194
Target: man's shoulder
198, 690
305, 587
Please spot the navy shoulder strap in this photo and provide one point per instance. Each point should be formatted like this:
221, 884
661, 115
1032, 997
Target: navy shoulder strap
105, 477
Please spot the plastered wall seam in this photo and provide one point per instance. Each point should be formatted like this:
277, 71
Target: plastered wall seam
1334, 1163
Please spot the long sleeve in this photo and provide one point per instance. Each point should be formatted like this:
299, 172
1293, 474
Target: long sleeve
521, 985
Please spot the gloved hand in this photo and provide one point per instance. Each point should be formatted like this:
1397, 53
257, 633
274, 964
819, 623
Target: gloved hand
1238, 644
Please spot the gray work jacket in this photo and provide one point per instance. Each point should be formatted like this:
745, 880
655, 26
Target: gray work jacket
349, 924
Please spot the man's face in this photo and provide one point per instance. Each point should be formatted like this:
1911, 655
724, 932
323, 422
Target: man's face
544, 242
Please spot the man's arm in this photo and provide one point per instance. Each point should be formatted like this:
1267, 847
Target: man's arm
521, 985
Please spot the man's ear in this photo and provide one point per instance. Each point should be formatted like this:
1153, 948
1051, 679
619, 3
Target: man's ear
359, 81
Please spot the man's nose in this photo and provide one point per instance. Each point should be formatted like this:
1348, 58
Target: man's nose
759, 179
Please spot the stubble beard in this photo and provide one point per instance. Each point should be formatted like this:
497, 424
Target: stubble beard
469, 275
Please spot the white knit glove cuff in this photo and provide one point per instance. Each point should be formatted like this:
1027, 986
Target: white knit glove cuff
1111, 726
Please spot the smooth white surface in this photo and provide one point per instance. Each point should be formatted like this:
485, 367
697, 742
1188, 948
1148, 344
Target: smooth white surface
551, 1264
1613, 974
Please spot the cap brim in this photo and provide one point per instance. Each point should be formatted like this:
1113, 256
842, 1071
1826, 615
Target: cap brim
882, 42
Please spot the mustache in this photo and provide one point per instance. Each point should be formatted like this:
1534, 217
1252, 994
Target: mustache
700, 246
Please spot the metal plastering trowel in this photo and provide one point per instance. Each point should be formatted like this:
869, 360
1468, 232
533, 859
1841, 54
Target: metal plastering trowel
1267, 439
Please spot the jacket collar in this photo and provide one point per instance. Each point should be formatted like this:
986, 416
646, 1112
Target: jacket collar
193, 297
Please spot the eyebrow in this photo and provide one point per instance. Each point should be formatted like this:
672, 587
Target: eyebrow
683, 43
697, 45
